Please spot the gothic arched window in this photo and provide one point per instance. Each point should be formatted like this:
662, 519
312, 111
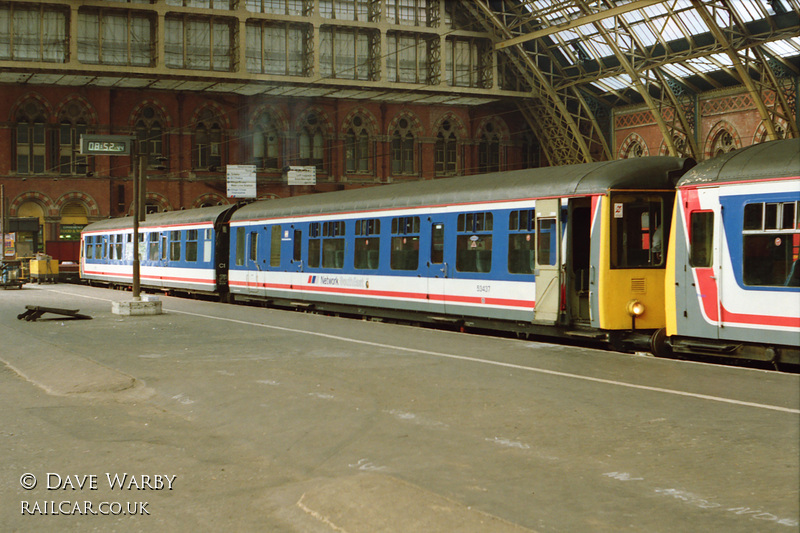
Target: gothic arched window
489, 150
403, 148
31, 139
208, 143
446, 144
356, 149
311, 143
150, 134
266, 144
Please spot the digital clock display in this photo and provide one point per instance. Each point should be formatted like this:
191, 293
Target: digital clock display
106, 144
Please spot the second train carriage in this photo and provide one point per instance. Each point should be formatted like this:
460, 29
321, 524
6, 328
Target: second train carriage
733, 287
561, 250
184, 250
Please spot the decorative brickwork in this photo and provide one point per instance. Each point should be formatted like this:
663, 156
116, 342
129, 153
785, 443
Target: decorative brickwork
633, 146
414, 124
67, 109
89, 203
721, 139
209, 199
45, 202
633, 120
371, 122
156, 105
721, 106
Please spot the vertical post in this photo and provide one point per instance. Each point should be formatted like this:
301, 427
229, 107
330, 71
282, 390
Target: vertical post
2, 222
136, 180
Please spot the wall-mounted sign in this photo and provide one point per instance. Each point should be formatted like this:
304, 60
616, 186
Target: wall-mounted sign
241, 181
302, 175
106, 144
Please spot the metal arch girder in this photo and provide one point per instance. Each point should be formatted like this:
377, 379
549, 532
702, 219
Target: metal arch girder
741, 64
548, 112
656, 105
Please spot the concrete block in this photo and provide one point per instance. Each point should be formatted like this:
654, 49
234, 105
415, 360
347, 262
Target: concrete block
136, 308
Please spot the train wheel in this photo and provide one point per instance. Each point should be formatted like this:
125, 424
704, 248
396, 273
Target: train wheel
659, 345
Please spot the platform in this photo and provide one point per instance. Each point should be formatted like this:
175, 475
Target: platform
293, 422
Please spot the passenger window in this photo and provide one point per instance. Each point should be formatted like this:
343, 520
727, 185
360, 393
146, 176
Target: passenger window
405, 243
313, 244
474, 242
153, 247
174, 245
702, 233
333, 244
771, 247
275, 247
191, 245
367, 250
521, 242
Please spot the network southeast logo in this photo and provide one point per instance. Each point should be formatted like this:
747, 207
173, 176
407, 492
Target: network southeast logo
339, 281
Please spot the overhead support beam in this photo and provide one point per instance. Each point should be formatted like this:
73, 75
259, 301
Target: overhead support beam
709, 12
561, 119
580, 21
678, 136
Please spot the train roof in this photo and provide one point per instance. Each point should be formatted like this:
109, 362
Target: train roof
569, 180
774, 159
167, 218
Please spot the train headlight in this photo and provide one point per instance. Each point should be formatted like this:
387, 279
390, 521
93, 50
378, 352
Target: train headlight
635, 308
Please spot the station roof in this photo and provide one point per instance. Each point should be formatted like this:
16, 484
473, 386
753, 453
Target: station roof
699, 43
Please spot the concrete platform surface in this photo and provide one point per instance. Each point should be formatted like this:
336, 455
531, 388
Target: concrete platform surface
215, 417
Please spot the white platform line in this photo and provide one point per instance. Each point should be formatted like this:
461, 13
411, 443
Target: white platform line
486, 361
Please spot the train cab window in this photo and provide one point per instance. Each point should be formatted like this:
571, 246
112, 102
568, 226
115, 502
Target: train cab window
191, 245
405, 243
521, 241
474, 242
333, 244
702, 234
174, 245
771, 248
367, 250
275, 246
89, 244
639, 230
240, 240
152, 249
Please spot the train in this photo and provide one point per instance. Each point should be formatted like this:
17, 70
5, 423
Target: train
657, 254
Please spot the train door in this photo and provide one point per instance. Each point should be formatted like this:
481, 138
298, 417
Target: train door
437, 267
697, 276
578, 259
548, 260
296, 243
251, 263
